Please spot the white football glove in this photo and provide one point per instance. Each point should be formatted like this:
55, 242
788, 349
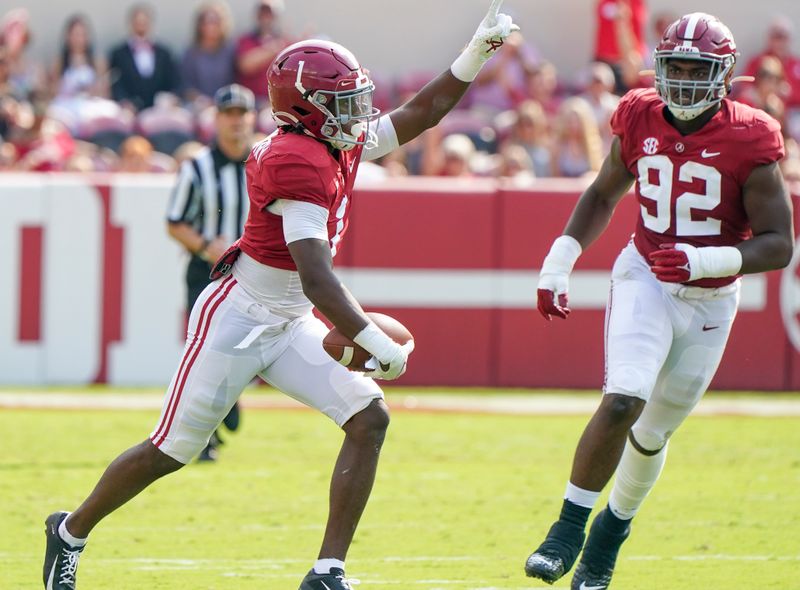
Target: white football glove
490, 36
388, 357
390, 368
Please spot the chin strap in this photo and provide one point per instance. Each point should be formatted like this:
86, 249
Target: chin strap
687, 114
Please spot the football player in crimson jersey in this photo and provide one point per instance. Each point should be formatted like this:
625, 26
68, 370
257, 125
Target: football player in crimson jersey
713, 207
255, 318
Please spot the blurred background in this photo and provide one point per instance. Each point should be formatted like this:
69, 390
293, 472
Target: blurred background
100, 108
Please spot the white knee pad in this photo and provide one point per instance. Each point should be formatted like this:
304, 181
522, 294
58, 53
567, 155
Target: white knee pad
649, 439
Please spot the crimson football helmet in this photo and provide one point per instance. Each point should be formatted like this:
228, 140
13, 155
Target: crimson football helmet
319, 87
702, 37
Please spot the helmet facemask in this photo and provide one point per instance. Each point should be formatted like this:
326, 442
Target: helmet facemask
347, 110
347, 116
689, 98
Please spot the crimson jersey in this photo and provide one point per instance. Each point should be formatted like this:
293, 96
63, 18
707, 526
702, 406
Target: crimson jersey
689, 187
292, 166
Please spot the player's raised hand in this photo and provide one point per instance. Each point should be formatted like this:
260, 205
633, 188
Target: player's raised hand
491, 17
492, 32
552, 290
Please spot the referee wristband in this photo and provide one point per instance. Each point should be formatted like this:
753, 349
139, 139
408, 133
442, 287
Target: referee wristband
199, 252
202, 247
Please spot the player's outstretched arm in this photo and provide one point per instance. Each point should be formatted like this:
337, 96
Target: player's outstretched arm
439, 96
588, 220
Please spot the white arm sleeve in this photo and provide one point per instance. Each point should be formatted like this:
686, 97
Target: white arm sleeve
386, 140
301, 220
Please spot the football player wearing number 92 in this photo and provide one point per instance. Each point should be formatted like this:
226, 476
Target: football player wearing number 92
255, 317
713, 206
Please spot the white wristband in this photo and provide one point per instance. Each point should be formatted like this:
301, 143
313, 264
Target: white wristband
719, 261
467, 65
563, 255
377, 343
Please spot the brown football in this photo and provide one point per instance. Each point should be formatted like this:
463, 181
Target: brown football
346, 352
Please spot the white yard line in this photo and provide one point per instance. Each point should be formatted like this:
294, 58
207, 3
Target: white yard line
288, 569
534, 403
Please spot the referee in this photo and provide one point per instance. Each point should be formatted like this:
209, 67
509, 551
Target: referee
209, 205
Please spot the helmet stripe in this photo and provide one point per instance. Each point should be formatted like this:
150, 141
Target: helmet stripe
298, 83
688, 34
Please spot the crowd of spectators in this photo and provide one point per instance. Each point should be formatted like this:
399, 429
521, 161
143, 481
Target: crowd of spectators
144, 109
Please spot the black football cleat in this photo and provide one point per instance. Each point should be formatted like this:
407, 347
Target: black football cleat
599, 556
211, 452
332, 581
232, 418
60, 559
556, 555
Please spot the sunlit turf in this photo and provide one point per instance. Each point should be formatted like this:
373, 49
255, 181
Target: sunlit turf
460, 501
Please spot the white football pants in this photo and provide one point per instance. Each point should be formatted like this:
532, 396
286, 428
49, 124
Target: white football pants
232, 338
664, 343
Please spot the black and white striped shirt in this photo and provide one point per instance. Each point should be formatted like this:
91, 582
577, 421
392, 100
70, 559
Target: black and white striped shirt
211, 195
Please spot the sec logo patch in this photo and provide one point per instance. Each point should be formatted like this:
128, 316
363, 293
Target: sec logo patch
650, 146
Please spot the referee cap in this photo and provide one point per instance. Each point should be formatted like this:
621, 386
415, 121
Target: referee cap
234, 96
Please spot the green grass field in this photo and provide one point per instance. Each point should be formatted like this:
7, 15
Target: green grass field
460, 501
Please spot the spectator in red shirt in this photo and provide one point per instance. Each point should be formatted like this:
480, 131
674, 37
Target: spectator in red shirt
779, 44
42, 144
256, 50
620, 39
